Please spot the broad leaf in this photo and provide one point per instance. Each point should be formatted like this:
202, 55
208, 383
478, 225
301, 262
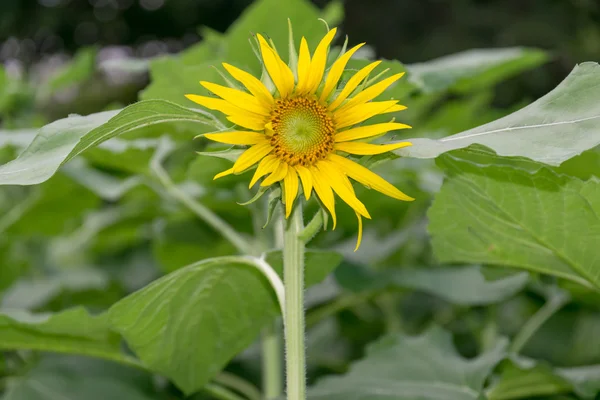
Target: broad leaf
78, 70
473, 68
401, 367
77, 379
190, 323
460, 285
518, 382
585, 379
509, 216
73, 332
551, 130
106, 186
60, 141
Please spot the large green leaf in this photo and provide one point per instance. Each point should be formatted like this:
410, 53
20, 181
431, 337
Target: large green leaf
77, 379
473, 68
401, 367
524, 378
460, 285
190, 323
517, 382
172, 79
60, 141
464, 285
78, 70
269, 18
551, 130
585, 379
72, 332
540, 221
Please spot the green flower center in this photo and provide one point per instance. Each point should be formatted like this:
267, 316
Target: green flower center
303, 131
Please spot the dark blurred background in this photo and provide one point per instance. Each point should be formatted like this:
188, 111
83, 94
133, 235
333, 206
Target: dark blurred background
407, 30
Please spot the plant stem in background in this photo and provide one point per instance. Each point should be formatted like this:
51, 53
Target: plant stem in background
272, 367
293, 279
203, 212
221, 393
238, 384
556, 301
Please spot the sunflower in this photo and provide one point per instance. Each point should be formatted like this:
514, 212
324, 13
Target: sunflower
305, 128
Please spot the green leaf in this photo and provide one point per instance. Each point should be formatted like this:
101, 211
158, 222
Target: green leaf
269, 18
28, 294
78, 70
460, 285
473, 69
60, 141
172, 79
512, 217
585, 379
77, 379
54, 207
190, 323
72, 332
401, 367
551, 130
518, 382
106, 186
182, 241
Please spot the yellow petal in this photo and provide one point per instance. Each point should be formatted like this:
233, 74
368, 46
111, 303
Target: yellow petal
236, 137
303, 66
369, 149
340, 184
222, 105
254, 123
280, 73
224, 173
241, 99
368, 178
360, 229
336, 71
306, 179
319, 59
353, 82
266, 166
368, 131
362, 113
253, 84
370, 93
251, 156
290, 183
278, 174
324, 192
396, 108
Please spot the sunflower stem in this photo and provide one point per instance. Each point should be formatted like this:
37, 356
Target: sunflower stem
293, 275
272, 367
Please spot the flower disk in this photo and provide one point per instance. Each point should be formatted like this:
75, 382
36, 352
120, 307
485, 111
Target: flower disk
303, 130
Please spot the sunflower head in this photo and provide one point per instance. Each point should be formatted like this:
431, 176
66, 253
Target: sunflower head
305, 129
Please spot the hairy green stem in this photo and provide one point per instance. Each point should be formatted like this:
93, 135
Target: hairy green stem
293, 278
554, 303
272, 368
312, 228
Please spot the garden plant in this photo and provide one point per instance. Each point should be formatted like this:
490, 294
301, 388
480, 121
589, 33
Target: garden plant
281, 215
